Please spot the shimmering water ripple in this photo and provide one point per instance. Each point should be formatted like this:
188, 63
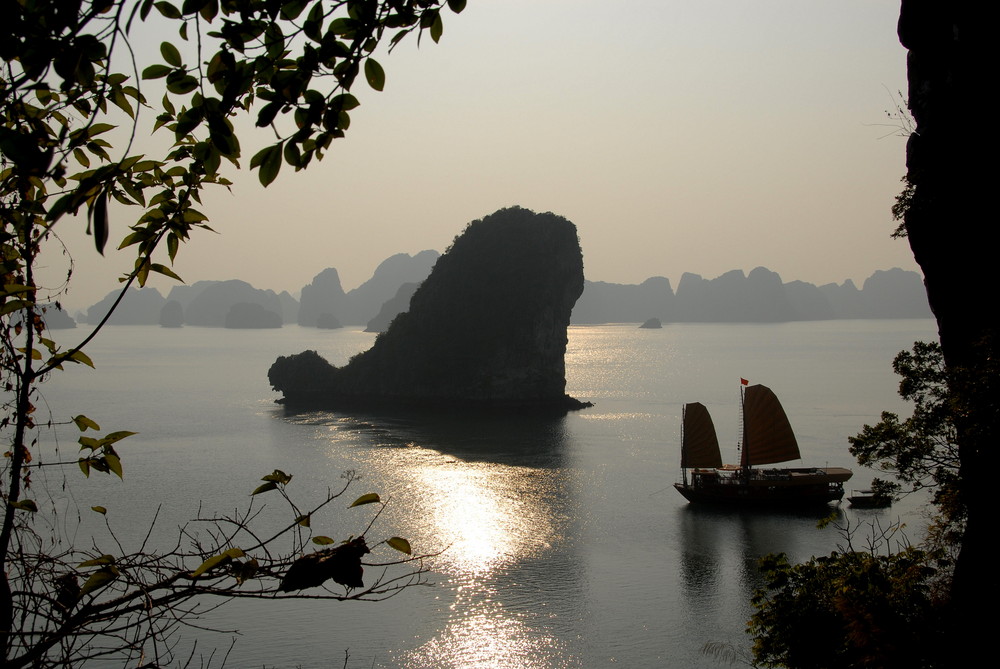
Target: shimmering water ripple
562, 543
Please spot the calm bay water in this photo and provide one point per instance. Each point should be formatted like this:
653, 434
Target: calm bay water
564, 542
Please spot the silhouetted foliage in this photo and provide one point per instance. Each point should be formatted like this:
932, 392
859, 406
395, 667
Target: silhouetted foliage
921, 450
341, 565
885, 605
73, 98
850, 609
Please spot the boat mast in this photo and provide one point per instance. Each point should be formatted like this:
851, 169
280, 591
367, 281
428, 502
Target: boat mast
744, 453
684, 471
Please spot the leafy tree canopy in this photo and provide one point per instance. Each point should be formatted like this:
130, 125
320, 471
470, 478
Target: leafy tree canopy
75, 93
290, 65
885, 605
849, 609
920, 451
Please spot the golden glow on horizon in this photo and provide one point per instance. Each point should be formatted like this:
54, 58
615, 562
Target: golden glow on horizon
678, 136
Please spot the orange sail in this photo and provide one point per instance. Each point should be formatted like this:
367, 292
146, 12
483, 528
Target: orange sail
767, 434
700, 445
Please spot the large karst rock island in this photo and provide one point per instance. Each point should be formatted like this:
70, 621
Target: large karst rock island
486, 329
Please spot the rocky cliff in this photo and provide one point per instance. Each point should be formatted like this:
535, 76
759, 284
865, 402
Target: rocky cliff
368, 298
325, 295
212, 306
392, 308
140, 306
486, 329
604, 302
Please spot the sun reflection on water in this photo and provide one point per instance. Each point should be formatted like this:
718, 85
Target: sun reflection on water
484, 635
487, 514
489, 517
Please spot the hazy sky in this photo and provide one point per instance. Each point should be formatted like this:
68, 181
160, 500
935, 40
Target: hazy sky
695, 135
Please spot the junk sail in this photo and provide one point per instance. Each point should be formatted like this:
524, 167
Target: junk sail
767, 438
700, 445
767, 434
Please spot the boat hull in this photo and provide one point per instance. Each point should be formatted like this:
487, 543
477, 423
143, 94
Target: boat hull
866, 499
765, 487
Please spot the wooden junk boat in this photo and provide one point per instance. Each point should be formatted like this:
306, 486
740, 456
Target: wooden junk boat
767, 439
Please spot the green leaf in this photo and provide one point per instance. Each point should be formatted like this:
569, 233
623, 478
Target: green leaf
120, 101
133, 238
278, 476
83, 423
290, 9
98, 215
133, 192
114, 464
304, 520
99, 509
116, 437
16, 289
14, 305
345, 101
84, 466
81, 157
313, 25
209, 10
374, 74
181, 83
216, 560
370, 498
268, 112
400, 544
210, 563
270, 485
171, 54
292, 155
322, 541
99, 562
156, 71
268, 160
99, 579
81, 357
437, 28
165, 271
168, 10
89, 442
142, 271
25, 505
172, 245
456, 5
99, 129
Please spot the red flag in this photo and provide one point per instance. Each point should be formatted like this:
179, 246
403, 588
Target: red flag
744, 381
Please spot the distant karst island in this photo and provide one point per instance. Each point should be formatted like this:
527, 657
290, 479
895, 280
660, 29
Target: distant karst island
734, 297
486, 328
